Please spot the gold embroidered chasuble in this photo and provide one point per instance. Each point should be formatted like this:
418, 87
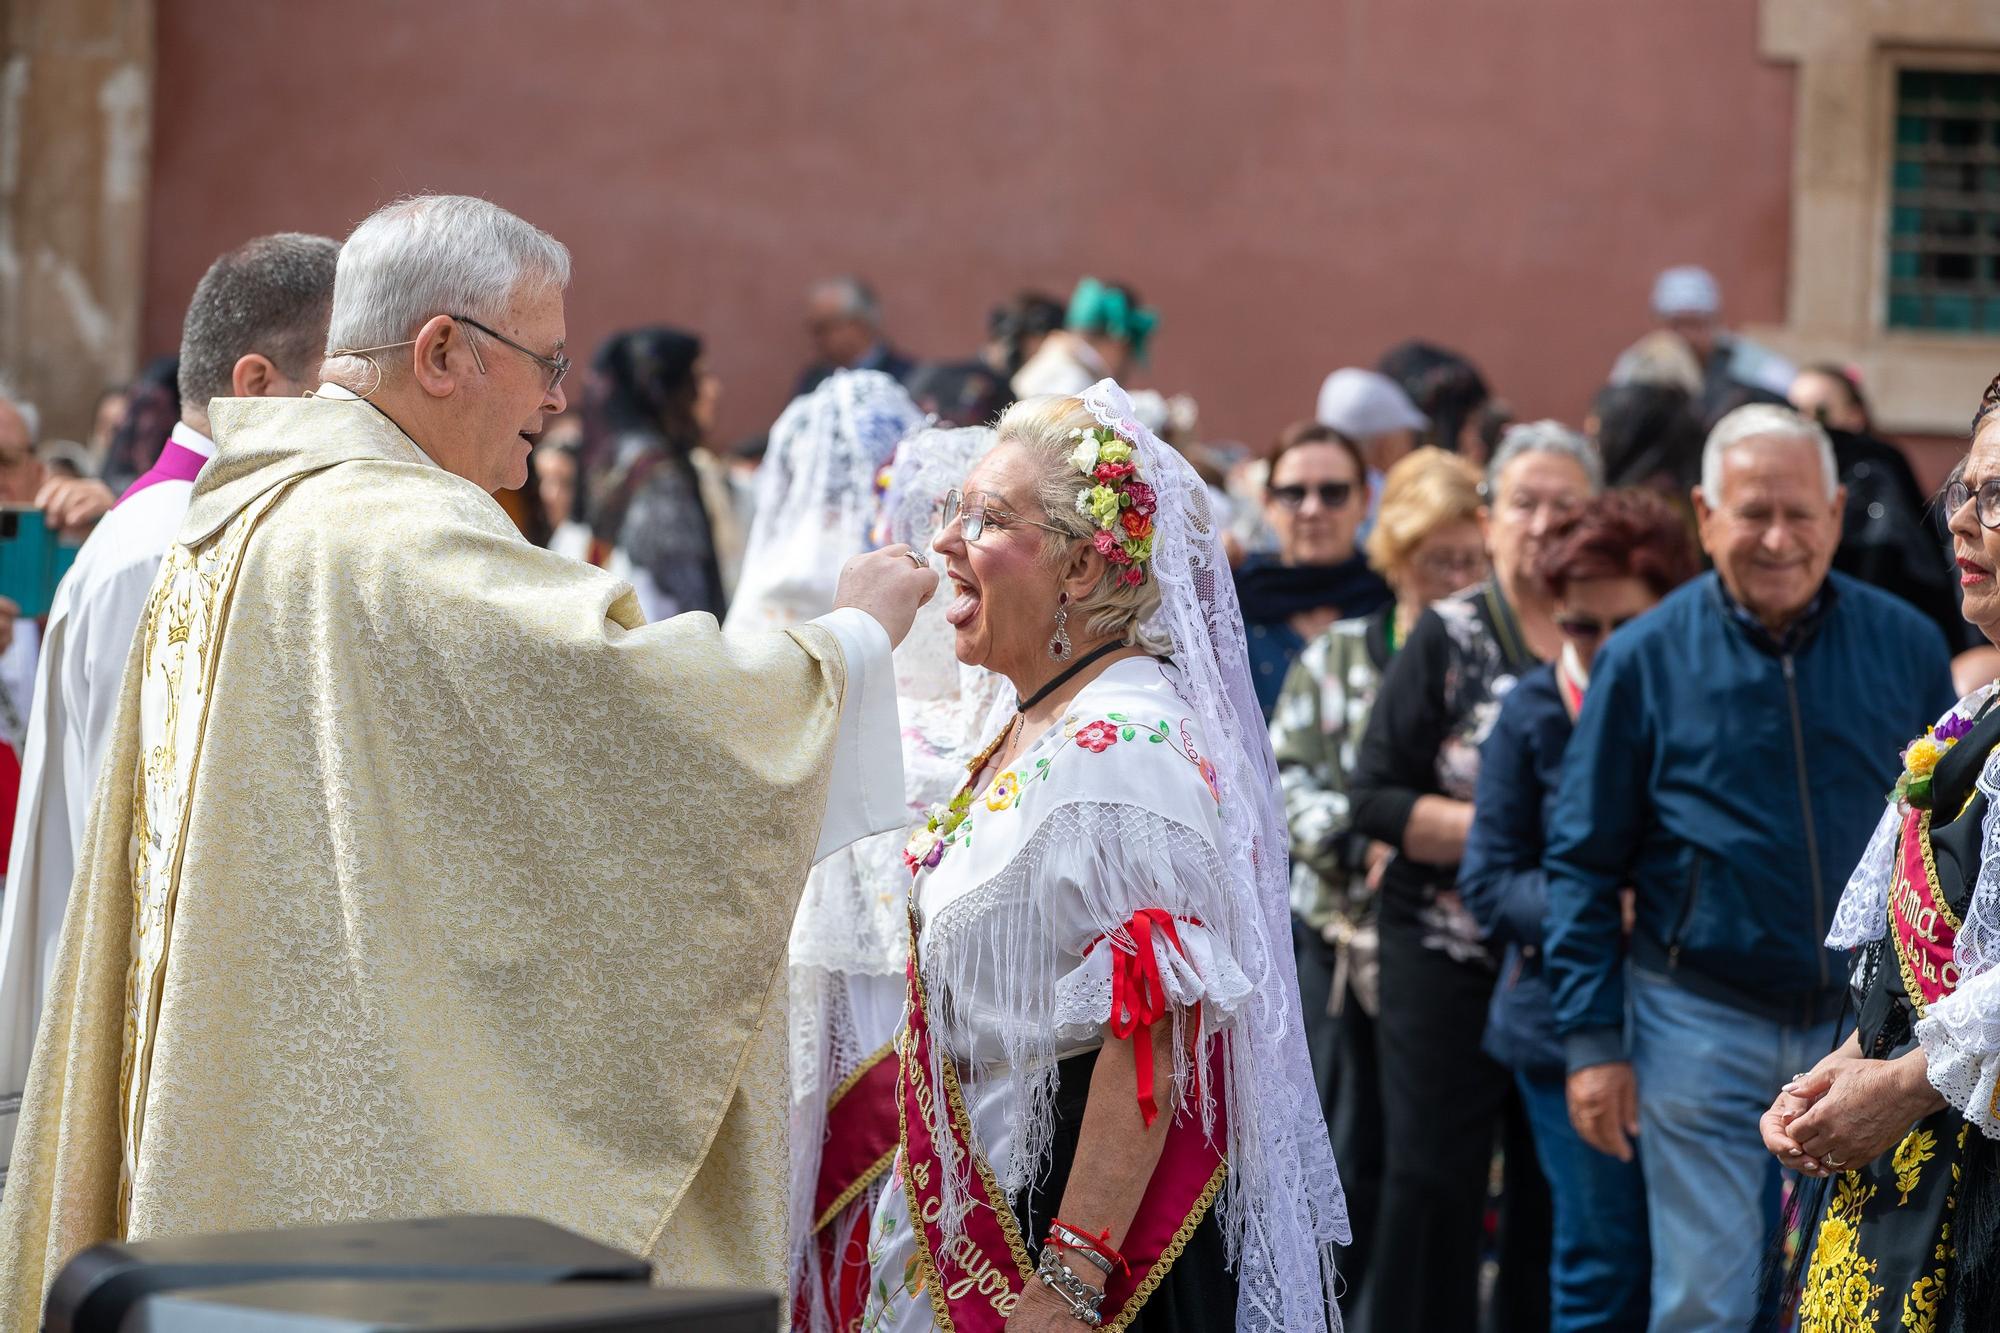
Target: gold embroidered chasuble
422, 877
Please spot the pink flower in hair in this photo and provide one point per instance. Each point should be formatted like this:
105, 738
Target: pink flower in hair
1142, 497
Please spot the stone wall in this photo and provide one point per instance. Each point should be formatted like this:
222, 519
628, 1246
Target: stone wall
76, 95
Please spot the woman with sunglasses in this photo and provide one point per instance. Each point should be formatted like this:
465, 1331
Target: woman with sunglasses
1626, 551
1900, 1126
1315, 501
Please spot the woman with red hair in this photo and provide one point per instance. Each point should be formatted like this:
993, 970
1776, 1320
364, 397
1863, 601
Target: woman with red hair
1626, 551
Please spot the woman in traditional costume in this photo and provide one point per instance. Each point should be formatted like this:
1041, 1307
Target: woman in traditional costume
1107, 1113
1902, 1121
850, 939
816, 496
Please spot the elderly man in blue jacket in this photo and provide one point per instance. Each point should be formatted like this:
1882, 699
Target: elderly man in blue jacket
1729, 763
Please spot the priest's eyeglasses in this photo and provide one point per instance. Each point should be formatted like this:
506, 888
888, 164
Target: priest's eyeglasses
972, 513
557, 365
1956, 493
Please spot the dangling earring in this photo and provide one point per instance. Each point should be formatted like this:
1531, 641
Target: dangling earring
1059, 647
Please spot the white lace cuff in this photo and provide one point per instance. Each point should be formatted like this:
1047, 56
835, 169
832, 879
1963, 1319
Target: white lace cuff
1961, 1040
1204, 975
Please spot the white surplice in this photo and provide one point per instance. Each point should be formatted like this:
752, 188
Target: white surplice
91, 622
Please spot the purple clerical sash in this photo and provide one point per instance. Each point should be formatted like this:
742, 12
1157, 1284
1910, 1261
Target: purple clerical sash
176, 462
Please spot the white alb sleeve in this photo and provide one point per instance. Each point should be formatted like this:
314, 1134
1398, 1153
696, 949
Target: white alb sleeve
866, 793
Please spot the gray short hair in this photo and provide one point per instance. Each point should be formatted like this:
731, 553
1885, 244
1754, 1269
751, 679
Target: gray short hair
435, 254
270, 296
31, 416
857, 298
1761, 421
1544, 437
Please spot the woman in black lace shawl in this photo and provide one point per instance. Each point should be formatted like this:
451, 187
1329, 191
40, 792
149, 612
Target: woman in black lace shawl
650, 405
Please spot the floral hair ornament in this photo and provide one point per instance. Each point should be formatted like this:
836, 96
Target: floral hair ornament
1115, 500
1920, 760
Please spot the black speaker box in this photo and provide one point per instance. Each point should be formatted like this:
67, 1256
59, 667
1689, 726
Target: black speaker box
433, 1274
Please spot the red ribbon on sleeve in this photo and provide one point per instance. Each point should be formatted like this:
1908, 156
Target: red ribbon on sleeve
1139, 995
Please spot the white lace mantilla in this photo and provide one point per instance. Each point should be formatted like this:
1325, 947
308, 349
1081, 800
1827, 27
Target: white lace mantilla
1960, 1034
1126, 816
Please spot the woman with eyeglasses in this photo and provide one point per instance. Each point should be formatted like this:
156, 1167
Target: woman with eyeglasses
1106, 1107
1446, 1104
1427, 544
1626, 551
1315, 501
1899, 1127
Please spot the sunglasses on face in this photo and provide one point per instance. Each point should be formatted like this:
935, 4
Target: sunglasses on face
1590, 627
1332, 494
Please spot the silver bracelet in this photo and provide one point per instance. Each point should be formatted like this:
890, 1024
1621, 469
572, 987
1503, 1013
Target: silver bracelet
1084, 1301
1082, 1247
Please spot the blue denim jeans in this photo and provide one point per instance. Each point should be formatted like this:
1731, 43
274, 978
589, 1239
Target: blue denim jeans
1599, 1270
1707, 1071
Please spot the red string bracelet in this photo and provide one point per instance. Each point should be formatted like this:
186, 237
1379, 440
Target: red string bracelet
1096, 1248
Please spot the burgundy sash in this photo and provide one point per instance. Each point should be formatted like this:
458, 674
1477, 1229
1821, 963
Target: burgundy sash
974, 1282
1922, 927
860, 1145
176, 462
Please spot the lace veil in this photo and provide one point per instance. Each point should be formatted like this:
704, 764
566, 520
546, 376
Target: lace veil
852, 926
816, 496
1282, 1209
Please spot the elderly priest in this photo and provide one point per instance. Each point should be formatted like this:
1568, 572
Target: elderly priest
422, 876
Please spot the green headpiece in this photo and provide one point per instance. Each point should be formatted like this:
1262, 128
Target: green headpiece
1097, 307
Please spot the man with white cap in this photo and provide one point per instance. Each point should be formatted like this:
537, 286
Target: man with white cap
1373, 411
1691, 348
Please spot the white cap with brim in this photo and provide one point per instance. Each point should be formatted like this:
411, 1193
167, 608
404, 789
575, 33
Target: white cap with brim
1686, 290
1361, 404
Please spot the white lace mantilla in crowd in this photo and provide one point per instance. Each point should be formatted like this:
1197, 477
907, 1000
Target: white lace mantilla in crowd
816, 496
1960, 1034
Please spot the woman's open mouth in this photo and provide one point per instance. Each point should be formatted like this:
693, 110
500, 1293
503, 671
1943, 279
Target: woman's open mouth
964, 606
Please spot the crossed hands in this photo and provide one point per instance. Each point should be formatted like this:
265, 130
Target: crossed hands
1847, 1111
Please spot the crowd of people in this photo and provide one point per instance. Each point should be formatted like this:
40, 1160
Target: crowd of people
978, 854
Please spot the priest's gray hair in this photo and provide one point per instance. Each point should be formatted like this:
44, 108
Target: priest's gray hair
269, 296
436, 254
1044, 426
31, 416
1762, 421
1543, 437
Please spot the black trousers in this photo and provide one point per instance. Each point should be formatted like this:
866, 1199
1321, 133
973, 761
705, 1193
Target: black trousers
1350, 1095
1447, 1107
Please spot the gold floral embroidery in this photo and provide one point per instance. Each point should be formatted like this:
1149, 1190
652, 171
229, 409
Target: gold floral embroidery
1838, 1295
1917, 1147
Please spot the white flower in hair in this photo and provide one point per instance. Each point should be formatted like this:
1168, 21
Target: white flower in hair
1084, 456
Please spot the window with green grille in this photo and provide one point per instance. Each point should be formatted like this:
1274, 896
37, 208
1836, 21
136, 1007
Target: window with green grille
1944, 203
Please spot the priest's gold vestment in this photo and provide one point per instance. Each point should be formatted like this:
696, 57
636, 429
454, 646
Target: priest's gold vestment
422, 877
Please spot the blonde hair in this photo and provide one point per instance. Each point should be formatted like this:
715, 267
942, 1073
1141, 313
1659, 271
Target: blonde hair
1042, 426
1426, 490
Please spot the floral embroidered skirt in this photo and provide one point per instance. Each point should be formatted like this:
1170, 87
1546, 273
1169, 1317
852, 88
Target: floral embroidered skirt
1884, 1250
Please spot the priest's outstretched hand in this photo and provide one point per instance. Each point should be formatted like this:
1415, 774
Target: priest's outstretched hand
888, 585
